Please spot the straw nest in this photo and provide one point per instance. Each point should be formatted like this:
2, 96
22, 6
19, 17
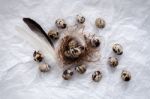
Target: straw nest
82, 42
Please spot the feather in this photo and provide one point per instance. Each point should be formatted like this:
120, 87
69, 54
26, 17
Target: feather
34, 26
37, 43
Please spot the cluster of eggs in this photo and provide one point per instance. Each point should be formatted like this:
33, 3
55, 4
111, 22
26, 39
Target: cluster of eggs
61, 24
113, 61
38, 57
75, 51
97, 75
118, 49
67, 74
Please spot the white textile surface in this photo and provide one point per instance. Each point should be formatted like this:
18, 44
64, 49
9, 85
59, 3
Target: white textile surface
127, 23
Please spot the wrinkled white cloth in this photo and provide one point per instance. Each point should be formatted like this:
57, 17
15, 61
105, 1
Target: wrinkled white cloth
127, 23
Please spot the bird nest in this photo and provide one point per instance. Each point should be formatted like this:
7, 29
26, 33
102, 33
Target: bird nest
79, 51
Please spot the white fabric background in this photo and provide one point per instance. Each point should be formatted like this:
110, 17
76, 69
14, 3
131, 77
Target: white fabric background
128, 23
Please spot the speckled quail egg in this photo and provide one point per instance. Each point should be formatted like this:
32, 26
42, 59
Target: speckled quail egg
73, 44
96, 76
95, 42
37, 56
100, 23
60, 23
118, 49
67, 74
126, 75
53, 34
44, 67
80, 69
80, 19
113, 61
75, 52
